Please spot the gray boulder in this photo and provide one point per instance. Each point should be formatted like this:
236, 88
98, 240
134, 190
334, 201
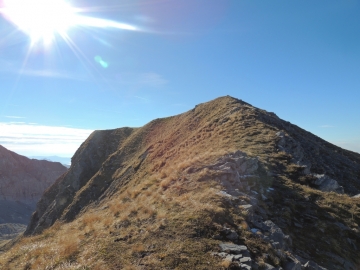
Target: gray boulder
245, 267
235, 169
232, 248
277, 236
325, 183
289, 145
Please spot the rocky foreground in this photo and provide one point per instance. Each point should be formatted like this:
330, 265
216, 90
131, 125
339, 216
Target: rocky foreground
223, 186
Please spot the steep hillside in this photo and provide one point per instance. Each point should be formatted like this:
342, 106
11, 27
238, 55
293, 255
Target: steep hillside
223, 186
22, 183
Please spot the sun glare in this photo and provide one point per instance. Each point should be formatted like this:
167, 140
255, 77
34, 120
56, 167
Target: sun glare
42, 20
47, 24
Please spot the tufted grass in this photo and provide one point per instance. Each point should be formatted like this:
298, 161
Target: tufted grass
165, 213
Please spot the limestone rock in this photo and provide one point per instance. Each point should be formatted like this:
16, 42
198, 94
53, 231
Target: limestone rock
245, 267
289, 145
277, 235
325, 183
236, 168
232, 248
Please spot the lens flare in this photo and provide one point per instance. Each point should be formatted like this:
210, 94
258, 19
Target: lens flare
101, 62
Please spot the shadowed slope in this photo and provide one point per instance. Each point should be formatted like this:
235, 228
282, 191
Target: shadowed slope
22, 183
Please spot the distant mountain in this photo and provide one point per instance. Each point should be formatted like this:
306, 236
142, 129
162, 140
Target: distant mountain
225, 185
66, 161
22, 183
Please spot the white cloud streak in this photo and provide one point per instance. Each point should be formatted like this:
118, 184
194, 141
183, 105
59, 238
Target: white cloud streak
40, 140
45, 72
149, 79
14, 117
152, 79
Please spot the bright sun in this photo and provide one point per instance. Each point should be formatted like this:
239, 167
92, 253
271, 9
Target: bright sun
40, 19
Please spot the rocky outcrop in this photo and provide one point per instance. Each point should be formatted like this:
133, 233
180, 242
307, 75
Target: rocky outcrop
325, 183
315, 155
297, 153
287, 144
236, 170
253, 195
237, 256
22, 183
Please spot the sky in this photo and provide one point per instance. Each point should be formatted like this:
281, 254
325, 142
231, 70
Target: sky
67, 69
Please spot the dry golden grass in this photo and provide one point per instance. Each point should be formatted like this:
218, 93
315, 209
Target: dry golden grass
162, 217
68, 247
225, 263
91, 218
54, 249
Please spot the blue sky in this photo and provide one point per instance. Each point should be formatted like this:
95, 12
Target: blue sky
299, 59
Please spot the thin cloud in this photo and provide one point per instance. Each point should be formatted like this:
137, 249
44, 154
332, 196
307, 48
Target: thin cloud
15, 117
142, 98
34, 139
51, 74
152, 79
47, 73
149, 79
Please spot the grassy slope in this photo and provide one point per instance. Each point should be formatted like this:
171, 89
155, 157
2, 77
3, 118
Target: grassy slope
156, 215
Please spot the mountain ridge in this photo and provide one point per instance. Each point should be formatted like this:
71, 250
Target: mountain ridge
222, 172
66, 161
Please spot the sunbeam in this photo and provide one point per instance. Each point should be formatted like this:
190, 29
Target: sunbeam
49, 23
43, 20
